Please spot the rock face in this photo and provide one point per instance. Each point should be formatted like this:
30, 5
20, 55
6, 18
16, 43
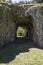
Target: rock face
7, 33
8, 27
36, 13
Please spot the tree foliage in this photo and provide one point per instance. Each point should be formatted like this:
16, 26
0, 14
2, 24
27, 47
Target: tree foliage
38, 1
2, 0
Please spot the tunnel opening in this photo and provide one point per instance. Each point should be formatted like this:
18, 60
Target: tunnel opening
24, 28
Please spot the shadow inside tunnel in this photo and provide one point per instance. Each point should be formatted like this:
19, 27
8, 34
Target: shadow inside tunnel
9, 52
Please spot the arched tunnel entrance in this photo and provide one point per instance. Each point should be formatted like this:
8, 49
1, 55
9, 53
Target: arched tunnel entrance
24, 28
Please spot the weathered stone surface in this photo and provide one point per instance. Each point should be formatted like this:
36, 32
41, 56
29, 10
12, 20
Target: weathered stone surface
8, 27
7, 33
37, 24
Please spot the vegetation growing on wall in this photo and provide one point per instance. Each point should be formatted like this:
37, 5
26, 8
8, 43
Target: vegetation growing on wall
1, 12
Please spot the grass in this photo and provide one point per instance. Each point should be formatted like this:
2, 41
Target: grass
21, 53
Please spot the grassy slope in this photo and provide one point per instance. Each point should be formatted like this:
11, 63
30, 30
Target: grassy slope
21, 54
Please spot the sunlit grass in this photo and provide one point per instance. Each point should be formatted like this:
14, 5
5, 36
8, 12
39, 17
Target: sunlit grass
33, 56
